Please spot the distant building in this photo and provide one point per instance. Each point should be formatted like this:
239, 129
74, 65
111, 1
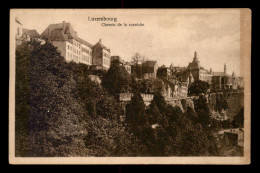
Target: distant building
118, 60
198, 72
25, 35
71, 47
101, 56
30, 35
163, 71
224, 81
235, 137
149, 69
185, 77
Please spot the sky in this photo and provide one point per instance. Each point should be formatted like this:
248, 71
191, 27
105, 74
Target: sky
168, 36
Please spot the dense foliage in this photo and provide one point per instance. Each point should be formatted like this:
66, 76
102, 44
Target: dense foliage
117, 80
61, 111
52, 117
198, 87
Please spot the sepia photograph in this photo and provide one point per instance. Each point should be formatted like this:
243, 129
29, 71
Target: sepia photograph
130, 86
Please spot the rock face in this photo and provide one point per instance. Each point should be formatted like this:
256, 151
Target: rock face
187, 103
234, 100
235, 103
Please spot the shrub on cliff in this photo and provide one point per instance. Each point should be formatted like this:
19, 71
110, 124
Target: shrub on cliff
238, 121
198, 87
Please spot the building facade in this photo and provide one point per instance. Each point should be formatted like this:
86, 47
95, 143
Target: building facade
101, 56
118, 60
71, 47
198, 72
224, 81
149, 69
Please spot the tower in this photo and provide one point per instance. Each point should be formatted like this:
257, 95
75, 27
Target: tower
195, 59
225, 68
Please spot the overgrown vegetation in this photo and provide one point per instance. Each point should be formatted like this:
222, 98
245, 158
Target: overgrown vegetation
60, 111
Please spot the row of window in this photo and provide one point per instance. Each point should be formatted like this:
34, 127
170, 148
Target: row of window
86, 58
86, 50
72, 56
71, 48
76, 44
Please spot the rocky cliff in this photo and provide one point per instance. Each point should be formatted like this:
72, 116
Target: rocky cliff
235, 101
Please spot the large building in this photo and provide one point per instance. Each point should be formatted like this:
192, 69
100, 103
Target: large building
224, 81
198, 72
71, 47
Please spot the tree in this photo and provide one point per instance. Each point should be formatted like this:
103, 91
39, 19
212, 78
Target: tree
22, 99
154, 115
135, 114
160, 102
136, 69
137, 57
117, 80
221, 103
55, 117
198, 87
191, 114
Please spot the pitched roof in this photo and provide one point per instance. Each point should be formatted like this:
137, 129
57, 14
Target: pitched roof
57, 35
163, 66
149, 63
62, 32
84, 42
32, 33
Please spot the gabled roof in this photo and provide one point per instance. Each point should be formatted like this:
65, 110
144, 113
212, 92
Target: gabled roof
62, 32
163, 66
32, 33
57, 35
149, 64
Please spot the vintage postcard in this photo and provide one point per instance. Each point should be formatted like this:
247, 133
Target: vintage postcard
130, 86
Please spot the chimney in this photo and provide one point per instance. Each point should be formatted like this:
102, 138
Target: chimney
63, 26
100, 40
